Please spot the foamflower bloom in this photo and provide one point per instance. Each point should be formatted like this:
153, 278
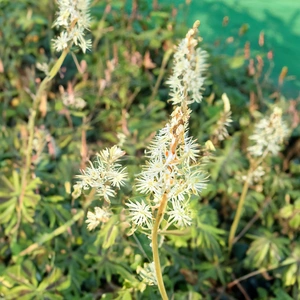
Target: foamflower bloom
105, 174
100, 215
180, 214
269, 134
74, 19
253, 177
174, 165
189, 66
140, 214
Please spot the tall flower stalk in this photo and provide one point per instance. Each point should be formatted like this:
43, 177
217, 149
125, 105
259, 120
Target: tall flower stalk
173, 171
269, 134
74, 17
174, 167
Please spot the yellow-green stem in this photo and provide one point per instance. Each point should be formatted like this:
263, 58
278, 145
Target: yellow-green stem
237, 217
159, 278
238, 214
260, 271
166, 58
40, 92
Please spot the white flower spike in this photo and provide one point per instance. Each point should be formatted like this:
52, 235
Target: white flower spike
74, 18
269, 134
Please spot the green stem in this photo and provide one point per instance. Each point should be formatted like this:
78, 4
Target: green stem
159, 278
176, 232
238, 214
36, 102
254, 273
166, 58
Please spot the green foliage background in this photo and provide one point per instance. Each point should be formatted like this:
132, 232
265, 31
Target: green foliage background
52, 255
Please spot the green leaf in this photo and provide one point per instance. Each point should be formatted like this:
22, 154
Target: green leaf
7, 214
286, 211
55, 282
267, 250
24, 274
108, 233
54, 198
281, 295
236, 62
20, 292
111, 237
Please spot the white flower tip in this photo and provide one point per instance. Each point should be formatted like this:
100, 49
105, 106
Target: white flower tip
226, 103
277, 111
196, 24
210, 146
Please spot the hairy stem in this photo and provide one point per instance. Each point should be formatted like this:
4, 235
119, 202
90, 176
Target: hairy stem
158, 272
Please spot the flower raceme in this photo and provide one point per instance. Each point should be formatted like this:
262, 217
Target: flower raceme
74, 18
173, 170
187, 79
105, 175
269, 134
174, 165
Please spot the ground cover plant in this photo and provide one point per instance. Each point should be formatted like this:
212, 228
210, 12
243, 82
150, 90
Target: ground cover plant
94, 93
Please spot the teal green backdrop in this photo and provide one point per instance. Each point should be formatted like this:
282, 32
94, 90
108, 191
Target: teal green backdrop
279, 19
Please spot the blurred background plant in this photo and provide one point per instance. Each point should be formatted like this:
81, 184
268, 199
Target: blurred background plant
116, 94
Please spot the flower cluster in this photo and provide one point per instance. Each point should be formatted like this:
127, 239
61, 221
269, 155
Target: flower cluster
105, 174
74, 18
253, 177
269, 134
141, 214
173, 169
188, 69
100, 215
